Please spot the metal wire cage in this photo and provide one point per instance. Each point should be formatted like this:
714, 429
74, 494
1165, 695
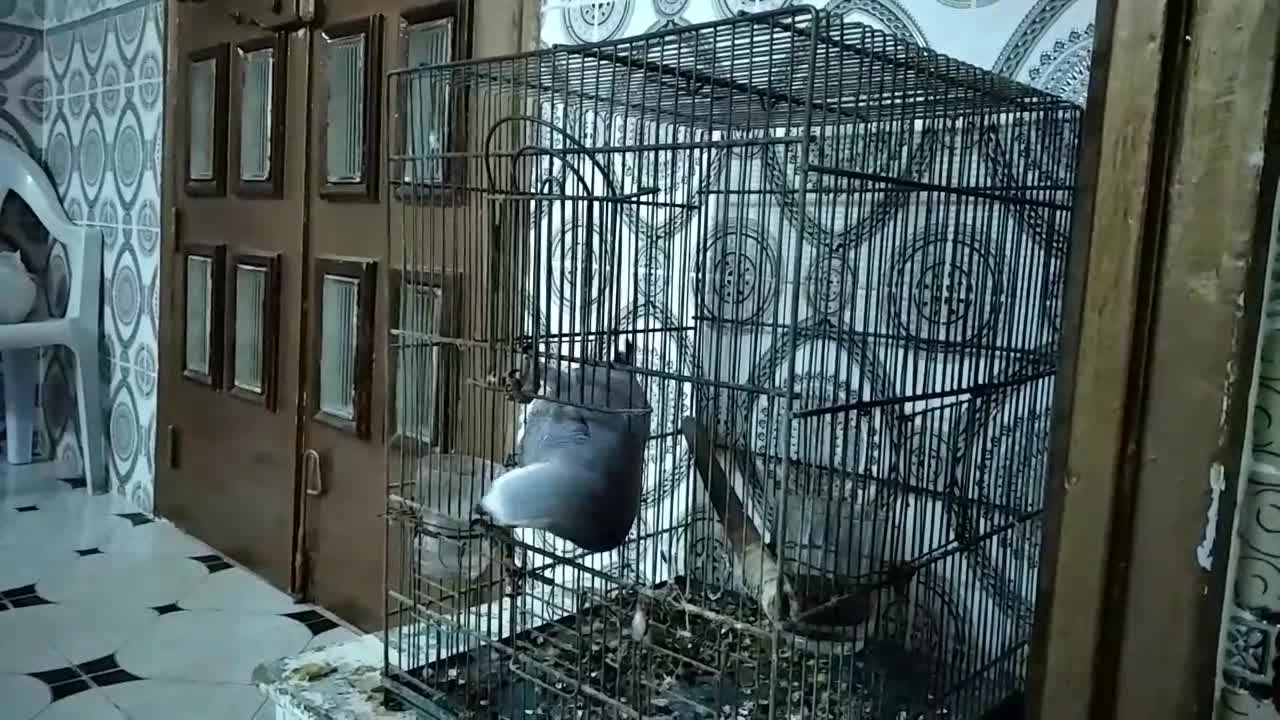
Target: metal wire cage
839, 258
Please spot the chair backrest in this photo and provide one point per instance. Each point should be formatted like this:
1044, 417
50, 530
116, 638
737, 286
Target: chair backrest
21, 174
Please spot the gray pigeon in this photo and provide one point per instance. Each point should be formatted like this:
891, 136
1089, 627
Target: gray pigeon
580, 470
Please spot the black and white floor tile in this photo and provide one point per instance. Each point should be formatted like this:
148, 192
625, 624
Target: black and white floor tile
109, 614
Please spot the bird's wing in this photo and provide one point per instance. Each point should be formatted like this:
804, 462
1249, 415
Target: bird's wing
605, 388
550, 428
599, 387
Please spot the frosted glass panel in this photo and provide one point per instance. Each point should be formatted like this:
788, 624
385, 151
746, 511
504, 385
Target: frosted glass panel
255, 114
344, 137
430, 43
416, 370
199, 313
250, 338
200, 105
339, 313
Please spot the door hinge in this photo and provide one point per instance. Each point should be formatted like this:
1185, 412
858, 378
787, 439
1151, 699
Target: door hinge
172, 447
280, 19
175, 229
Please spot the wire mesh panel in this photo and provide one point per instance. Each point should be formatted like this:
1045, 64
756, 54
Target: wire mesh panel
831, 262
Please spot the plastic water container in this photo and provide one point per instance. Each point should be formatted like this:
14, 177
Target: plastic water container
448, 488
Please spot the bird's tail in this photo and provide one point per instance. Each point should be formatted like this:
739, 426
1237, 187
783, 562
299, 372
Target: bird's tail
564, 499
519, 497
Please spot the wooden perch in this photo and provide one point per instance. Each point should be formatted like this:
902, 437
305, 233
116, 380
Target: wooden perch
761, 574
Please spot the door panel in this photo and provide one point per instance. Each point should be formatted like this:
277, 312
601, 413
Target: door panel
345, 528
229, 423
343, 512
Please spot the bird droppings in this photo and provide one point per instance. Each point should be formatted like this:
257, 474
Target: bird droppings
311, 671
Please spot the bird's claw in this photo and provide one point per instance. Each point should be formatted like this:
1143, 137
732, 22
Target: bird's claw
514, 576
511, 384
480, 517
519, 383
513, 381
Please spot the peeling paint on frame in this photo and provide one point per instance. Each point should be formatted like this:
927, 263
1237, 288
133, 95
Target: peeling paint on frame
1217, 483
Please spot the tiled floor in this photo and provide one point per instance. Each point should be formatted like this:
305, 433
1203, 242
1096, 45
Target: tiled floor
106, 614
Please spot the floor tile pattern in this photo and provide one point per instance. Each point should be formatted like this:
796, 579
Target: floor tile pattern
111, 614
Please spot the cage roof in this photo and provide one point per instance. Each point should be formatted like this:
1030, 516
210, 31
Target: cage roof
790, 67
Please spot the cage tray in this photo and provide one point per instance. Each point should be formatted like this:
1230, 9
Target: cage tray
595, 648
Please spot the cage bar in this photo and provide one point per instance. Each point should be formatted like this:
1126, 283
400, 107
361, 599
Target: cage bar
839, 257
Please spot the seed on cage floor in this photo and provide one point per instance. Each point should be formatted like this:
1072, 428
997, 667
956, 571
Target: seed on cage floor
639, 625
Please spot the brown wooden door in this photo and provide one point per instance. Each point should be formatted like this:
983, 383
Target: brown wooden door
234, 264
350, 425
275, 371
343, 455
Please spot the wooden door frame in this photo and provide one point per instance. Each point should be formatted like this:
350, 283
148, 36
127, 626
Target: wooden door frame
1178, 171
172, 178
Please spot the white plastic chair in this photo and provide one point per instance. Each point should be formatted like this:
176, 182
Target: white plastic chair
78, 330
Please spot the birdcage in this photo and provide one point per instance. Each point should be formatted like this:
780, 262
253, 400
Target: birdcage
838, 259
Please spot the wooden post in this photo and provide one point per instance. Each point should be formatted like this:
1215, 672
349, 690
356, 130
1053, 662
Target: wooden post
1163, 309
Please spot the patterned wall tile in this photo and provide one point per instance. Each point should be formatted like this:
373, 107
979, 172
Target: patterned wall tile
24, 13
61, 12
130, 410
1052, 48
60, 421
21, 122
22, 62
96, 104
24, 90
126, 326
1249, 652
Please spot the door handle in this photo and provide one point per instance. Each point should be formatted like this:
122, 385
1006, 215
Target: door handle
311, 469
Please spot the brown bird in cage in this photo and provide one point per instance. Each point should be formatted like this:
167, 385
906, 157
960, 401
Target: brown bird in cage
808, 604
